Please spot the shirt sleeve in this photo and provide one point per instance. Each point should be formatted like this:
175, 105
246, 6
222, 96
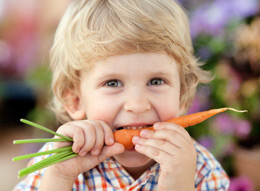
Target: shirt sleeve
33, 180
209, 173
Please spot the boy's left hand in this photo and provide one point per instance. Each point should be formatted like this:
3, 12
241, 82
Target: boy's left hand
172, 147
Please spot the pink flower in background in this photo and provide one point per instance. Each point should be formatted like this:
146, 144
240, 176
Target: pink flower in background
229, 148
206, 141
224, 124
241, 183
19, 41
228, 125
5, 53
243, 128
233, 85
211, 17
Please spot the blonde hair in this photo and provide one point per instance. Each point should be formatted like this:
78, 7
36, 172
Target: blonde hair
92, 30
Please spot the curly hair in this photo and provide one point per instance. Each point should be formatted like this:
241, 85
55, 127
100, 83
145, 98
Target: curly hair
93, 30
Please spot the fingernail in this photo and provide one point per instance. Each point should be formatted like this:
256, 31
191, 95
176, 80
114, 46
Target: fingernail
136, 139
76, 150
144, 132
156, 125
111, 140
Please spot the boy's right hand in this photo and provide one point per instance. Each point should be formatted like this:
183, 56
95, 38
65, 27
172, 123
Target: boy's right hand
92, 140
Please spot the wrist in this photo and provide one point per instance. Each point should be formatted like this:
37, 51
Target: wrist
53, 177
59, 178
53, 171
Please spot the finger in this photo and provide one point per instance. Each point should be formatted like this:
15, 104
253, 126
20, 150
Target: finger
99, 139
170, 126
109, 151
89, 161
153, 153
170, 136
78, 138
90, 138
109, 138
159, 144
75, 132
61, 144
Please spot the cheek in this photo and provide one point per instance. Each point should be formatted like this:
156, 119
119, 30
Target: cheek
169, 113
100, 109
169, 108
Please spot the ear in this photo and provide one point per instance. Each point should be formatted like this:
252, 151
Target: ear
73, 106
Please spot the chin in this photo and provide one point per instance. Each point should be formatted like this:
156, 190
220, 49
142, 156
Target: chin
131, 159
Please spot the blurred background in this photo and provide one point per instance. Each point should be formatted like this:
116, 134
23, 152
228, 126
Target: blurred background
226, 36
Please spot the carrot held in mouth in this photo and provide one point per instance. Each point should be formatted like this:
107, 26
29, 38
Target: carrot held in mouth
124, 136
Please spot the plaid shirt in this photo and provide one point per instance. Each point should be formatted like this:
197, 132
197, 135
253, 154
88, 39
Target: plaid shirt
110, 175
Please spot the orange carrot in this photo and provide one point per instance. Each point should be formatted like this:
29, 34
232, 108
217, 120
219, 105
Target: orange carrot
124, 136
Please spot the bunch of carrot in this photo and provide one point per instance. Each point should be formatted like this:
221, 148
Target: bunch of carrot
123, 136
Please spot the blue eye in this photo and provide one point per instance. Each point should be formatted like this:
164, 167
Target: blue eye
156, 82
113, 83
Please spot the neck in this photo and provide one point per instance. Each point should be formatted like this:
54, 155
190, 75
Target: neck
136, 172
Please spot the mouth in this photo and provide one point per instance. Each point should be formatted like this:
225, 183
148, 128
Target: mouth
132, 127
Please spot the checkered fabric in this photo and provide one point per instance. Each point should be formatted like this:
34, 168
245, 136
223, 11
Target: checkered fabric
110, 175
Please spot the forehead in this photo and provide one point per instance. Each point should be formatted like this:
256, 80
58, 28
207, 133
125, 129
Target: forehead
136, 62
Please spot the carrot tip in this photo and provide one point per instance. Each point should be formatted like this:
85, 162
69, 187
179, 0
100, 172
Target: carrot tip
232, 109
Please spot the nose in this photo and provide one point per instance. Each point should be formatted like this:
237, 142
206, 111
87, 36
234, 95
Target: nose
137, 102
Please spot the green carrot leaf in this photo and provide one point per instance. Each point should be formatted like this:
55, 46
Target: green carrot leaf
68, 148
22, 141
44, 129
59, 157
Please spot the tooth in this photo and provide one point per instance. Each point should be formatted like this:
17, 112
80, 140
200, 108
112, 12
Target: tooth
134, 127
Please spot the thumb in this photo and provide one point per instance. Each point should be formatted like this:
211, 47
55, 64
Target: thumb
112, 150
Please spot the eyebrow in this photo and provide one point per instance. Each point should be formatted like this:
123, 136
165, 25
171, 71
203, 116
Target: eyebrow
114, 74
150, 74
108, 75
161, 73
164, 74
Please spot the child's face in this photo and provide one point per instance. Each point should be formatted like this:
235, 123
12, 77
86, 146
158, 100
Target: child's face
131, 90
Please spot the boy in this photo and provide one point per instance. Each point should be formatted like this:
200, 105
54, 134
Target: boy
125, 64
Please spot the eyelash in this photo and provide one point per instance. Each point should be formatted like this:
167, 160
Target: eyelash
119, 84
110, 81
156, 79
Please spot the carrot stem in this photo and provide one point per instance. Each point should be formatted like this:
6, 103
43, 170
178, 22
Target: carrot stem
22, 157
44, 129
23, 141
59, 157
